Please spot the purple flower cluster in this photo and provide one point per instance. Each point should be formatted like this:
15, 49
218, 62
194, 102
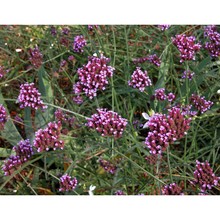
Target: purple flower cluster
35, 57
165, 129
200, 103
92, 27
139, 79
119, 193
151, 58
204, 176
23, 152
30, 97
188, 74
3, 117
67, 183
163, 27
108, 166
3, 71
65, 30
214, 45
79, 43
186, 110
154, 59
49, 138
186, 46
172, 189
161, 96
108, 123
53, 31
92, 77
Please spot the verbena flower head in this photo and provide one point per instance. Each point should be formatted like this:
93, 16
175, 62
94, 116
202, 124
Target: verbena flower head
213, 46
154, 59
171, 97
49, 138
204, 176
139, 79
140, 60
186, 46
163, 27
108, 166
119, 193
35, 57
93, 77
53, 31
172, 189
3, 117
67, 183
24, 150
79, 44
11, 164
30, 97
160, 94
65, 30
108, 123
165, 129
188, 74
200, 103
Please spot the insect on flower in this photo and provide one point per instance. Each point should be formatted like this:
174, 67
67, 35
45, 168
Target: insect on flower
147, 117
91, 189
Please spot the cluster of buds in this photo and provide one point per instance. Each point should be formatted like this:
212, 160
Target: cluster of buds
139, 79
186, 46
79, 43
119, 193
188, 74
165, 129
172, 189
214, 45
163, 27
30, 97
161, 96
23, 152
3, 117
3, 71
187, 110
200, 103
92, 27
204, 176
93, 77
65, 30
108, 123
108, 166
67, 183
49, 138
154, 59
151, 58
35, 57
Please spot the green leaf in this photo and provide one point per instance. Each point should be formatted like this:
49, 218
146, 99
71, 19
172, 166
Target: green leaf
10, 132
42, 117
28, 124
5, 152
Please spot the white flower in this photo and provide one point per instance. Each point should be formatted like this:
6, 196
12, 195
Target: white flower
91, 189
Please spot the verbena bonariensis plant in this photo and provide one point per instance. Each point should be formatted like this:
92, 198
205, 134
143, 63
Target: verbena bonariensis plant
49, 138
165, 129
186, 46
172, 189
213, 46
108, 123
139, 79
204, 176
200, 103
29, 96
35, 57
79, 44
3, 117
67, 183
93, 77
23, 151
